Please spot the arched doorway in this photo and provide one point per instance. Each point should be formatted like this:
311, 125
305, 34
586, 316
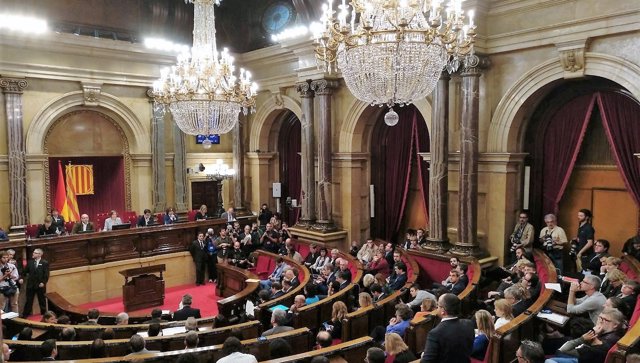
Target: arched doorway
399, 175
88, 137
289, 148
581, 144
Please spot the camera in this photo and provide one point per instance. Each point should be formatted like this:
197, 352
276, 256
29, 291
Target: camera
547, 242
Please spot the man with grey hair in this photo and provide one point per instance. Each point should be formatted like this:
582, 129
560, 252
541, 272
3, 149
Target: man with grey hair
278, 319
37, 275
553, 240
191, 340
122, 319
186, 310
515, 297
593, 345
593, 301
530, 352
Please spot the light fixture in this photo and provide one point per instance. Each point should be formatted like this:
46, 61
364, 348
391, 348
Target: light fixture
391, 52
202, 91
220, 171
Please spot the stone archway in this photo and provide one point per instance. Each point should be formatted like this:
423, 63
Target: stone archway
509, 122
266, 116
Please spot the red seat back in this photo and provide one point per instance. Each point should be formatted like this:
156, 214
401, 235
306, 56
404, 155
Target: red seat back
630, 272
68, 226
432, 270
160, 218
303, 250
636, 313
487, 355
191, 216
32, 230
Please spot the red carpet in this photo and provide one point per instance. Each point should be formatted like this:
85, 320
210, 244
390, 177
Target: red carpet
204, 298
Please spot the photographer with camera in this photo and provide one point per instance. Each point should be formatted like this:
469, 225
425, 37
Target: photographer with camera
522, 236
8, 284
553, 240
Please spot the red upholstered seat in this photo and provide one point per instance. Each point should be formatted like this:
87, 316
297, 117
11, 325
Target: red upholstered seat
636, 313
431, 270
160, 218
131, 219
191, 216
32, 230
303, 250
408, 264
336, 341
68, 226
542, 271
487, 355
631, 273
263, 266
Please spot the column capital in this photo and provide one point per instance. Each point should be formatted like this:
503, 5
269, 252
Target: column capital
304, 89
474, 64
13, 85
324, 86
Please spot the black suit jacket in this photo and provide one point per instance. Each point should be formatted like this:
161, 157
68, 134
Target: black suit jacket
78, 227
198, 253
457, 288
186, 312
36, 275
143, 223
450, 341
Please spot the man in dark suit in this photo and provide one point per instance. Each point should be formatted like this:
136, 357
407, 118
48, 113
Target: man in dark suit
92, 317
37, 274
49, 350
83, 226
452, 339
186, 311
198, 252
456, 285
400, 279
147, 219
388, 254
156, 317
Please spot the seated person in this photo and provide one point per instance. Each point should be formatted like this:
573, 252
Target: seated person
629, 293
426, 307
298, 303
291, 275
286, 286
320, 261
504, 312
334, 326
592, 264
237, 257
378, 292
48, 349
92, 317
323, 340
312, 256
514, 295
454, 286
367, 251
632, 247
276, 291
155, 329
617, 303
57, 221
616, 279
593, 301
484, 322
397, 350
278, 321
83, 226
323, 280
111, 221
343, 265
202, 213
276, 275
137, 346
46, 229
378, 265
401, 321
592, 347
400, 279
186, 311
191, 340
417, 296
147, 219
170, 216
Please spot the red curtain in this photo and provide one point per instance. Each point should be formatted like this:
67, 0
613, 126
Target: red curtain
392, 152
421, 138
108, 178
556, 152
621, 124
289, 147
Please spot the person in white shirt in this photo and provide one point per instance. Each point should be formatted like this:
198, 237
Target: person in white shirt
232, 348
111, 221
504, 312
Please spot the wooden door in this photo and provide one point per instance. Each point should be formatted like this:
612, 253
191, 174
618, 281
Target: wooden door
204, 192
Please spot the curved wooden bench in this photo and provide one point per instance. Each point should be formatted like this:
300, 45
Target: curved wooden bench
299, 339
234, 288
80, 349
262, 312
351, 351
631, 340
313, 315
507, 338
360, 322
61, 306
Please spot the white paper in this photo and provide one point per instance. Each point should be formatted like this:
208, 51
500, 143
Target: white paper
556, 318
144, 334
10, 315
166, 312
553, 286
174, 330
250, 308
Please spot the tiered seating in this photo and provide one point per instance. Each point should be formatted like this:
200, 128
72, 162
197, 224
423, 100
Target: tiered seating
62, 306
299, 339
631, 340
233, 286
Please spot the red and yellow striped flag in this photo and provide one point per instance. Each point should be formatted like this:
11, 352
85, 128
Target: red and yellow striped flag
72, 201
83, 179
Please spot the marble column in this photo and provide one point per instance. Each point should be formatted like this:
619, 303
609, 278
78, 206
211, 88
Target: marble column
158, 196
323, 89
12, 89
179, 170
308, 207
238, 166
467, 243
438, 240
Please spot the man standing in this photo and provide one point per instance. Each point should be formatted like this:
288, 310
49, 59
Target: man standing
8, 283
553, 240
37, 275
583, 243
522, 235
452, 339
83, 226
199, 254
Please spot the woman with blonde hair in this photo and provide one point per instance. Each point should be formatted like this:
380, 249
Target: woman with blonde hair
112, 220
334, 326
397, 350
504, 312
486, 329
364, 300
367, 281
202, 213
616, 280
426, 306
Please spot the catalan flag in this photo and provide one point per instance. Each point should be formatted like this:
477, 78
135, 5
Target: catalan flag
72, 201
83, 179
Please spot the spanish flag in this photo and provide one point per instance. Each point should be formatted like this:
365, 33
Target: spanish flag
72, 201
61, 193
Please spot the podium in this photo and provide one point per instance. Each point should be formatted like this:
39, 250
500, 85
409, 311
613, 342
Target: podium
142, 287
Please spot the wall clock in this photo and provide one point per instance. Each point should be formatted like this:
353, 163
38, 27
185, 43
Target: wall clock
277, 16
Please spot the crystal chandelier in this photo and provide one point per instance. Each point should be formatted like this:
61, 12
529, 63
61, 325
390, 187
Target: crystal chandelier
202, 91
391, 52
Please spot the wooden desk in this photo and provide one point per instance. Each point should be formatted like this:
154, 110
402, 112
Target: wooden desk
234, 288
142, 288
100, 247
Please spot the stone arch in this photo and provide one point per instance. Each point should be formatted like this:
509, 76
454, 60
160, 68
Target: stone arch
509, 121
264, 119
135, 132
355, 131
